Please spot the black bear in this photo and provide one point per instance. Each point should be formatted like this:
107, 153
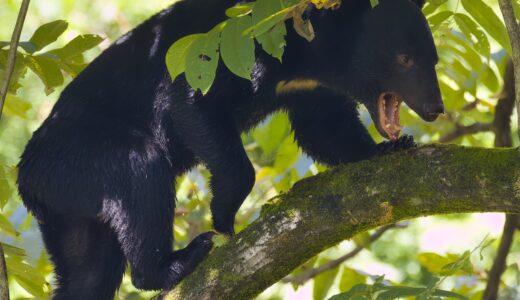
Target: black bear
99, 173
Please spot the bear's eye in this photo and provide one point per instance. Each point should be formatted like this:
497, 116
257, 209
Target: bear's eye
405, 60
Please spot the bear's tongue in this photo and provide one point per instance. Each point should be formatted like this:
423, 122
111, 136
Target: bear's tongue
388, 105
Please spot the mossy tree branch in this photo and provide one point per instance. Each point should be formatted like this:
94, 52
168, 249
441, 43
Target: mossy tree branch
321, 211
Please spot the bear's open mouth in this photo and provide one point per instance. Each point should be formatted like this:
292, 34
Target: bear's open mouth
388, 105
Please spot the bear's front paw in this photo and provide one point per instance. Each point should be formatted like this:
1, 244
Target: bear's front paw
402, 143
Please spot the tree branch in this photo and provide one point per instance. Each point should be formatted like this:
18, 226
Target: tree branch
11, 58
4, 283
4, 87
503, 138
309, 274
499, 264
321, 211
465, 130
514, 36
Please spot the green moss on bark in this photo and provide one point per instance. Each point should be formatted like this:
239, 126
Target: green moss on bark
323, 210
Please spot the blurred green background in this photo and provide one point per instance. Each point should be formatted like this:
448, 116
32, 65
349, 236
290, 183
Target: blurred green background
471, 78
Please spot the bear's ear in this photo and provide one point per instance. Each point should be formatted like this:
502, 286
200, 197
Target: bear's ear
419, 3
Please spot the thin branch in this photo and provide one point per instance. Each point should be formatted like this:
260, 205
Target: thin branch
514, 36
504, 109
503, 138
323, 210
309, 274
11, 58
4, 87
499, 264
4, 283
464, 130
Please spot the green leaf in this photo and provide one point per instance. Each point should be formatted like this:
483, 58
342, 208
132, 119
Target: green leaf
270, 136
27, 276
350, 278
474, 34
358, 292
303, 268
202, 60
6, 189
362, 239
176, 55
288, 153
437, 2
48, 71
489, 78
14, 106
12, 250
266, 14
374, 3
7, 228
462, 264
323, 282
77, 46
429, 9
46, 34
435, 263
273, 41
486, 244
437, 19
20, 69
398, 292
237, 50
73, 69
239, 10
490, 22
516, 8
34, 288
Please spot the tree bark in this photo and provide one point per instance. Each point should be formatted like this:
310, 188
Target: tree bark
323, 210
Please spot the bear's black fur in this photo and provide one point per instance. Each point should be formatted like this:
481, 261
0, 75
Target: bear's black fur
99, 173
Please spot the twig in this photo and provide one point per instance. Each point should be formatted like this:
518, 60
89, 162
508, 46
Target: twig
499, 264
4, 283
11, 58
464, 130
4, 87
307, 275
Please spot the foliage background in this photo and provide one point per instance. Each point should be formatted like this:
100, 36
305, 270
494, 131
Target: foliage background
471, 80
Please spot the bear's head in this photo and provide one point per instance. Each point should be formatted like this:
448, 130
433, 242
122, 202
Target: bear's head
381, 57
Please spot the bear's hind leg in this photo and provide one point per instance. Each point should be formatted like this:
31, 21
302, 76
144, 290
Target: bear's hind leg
140, 210
88, 260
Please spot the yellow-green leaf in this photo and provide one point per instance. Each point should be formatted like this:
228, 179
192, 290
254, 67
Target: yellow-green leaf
490, 22
237, 50
273, 41
15, 106
46, 34
202, 60
239, 10
323, 282
77, 46
7, 228
474, 34
176, 55
47, 70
